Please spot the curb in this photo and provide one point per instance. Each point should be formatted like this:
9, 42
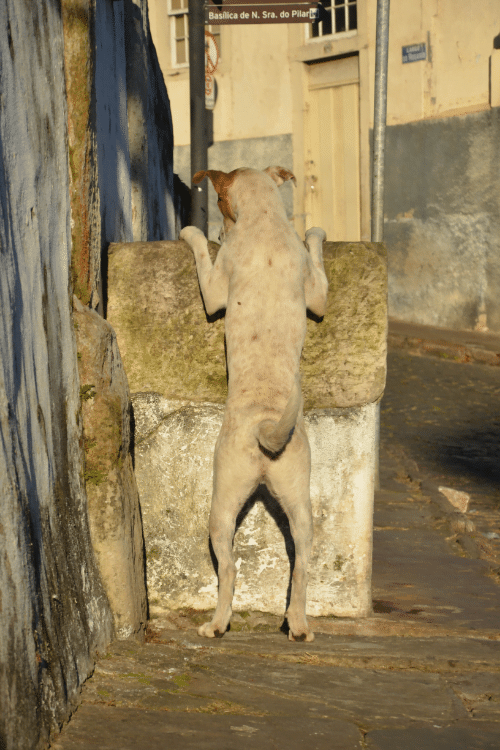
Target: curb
456, 346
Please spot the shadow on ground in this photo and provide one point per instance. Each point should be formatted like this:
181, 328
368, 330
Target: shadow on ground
447, 418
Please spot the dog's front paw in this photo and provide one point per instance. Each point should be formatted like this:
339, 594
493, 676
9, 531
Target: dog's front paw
190, 234
317, 232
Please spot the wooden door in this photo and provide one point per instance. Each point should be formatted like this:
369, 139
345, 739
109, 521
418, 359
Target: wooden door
332, 182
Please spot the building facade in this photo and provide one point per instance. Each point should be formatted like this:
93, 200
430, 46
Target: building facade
301, 95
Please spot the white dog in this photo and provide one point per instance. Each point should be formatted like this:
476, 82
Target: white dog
265, 278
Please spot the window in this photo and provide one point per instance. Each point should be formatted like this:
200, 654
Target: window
336, 17
179, 32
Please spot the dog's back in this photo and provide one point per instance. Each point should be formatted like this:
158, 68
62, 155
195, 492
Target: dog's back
266, 311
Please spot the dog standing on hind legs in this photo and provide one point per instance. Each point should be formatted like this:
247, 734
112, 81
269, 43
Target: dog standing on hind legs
265, 279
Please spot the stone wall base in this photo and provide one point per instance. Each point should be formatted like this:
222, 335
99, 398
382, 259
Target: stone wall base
173, 465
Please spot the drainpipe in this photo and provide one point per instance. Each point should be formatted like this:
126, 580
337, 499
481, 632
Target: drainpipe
199, 140
379, 121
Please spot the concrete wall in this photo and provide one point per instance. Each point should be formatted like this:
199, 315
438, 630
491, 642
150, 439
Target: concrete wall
174, 457
442, 223
54, 613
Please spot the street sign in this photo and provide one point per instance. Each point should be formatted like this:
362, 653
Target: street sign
414, 53
211, 62
221, 12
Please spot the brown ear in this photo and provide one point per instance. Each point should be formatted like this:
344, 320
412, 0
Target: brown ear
220, 180
280, 175
199, 176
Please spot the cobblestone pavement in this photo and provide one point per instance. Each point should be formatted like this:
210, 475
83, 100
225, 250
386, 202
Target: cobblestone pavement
443, 420
422, 673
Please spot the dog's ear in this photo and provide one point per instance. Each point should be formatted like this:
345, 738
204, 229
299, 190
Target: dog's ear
280, 175
199, 176
221, 182
219, 179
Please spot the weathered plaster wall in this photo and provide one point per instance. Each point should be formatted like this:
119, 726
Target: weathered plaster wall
120, 133
66, 191
442, 225
253, 80
54, 613
174, 456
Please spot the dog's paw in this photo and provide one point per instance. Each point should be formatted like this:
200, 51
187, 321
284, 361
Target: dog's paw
207, 630
190, 234
316, 232
306, 636
298, 629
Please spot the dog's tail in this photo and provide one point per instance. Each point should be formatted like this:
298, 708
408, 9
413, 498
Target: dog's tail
273, 436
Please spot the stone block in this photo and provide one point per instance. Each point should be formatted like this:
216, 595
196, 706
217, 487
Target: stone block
460, 500
113, 500
174, 475
167, 346
175, 363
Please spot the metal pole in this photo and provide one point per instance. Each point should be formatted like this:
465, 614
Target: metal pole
379, 121
381, 55
199, 140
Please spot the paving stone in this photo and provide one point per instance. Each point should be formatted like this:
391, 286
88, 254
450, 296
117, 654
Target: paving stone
415, 572
445, 416
394, 512
444, 654
459, 737
353, 693
250, 678
480, 693
134, 729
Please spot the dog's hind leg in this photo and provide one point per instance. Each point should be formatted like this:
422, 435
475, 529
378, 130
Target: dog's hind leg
300, 518
288, 480
222, 528
235, 478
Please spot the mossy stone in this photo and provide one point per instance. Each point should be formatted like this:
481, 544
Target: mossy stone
169, 347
